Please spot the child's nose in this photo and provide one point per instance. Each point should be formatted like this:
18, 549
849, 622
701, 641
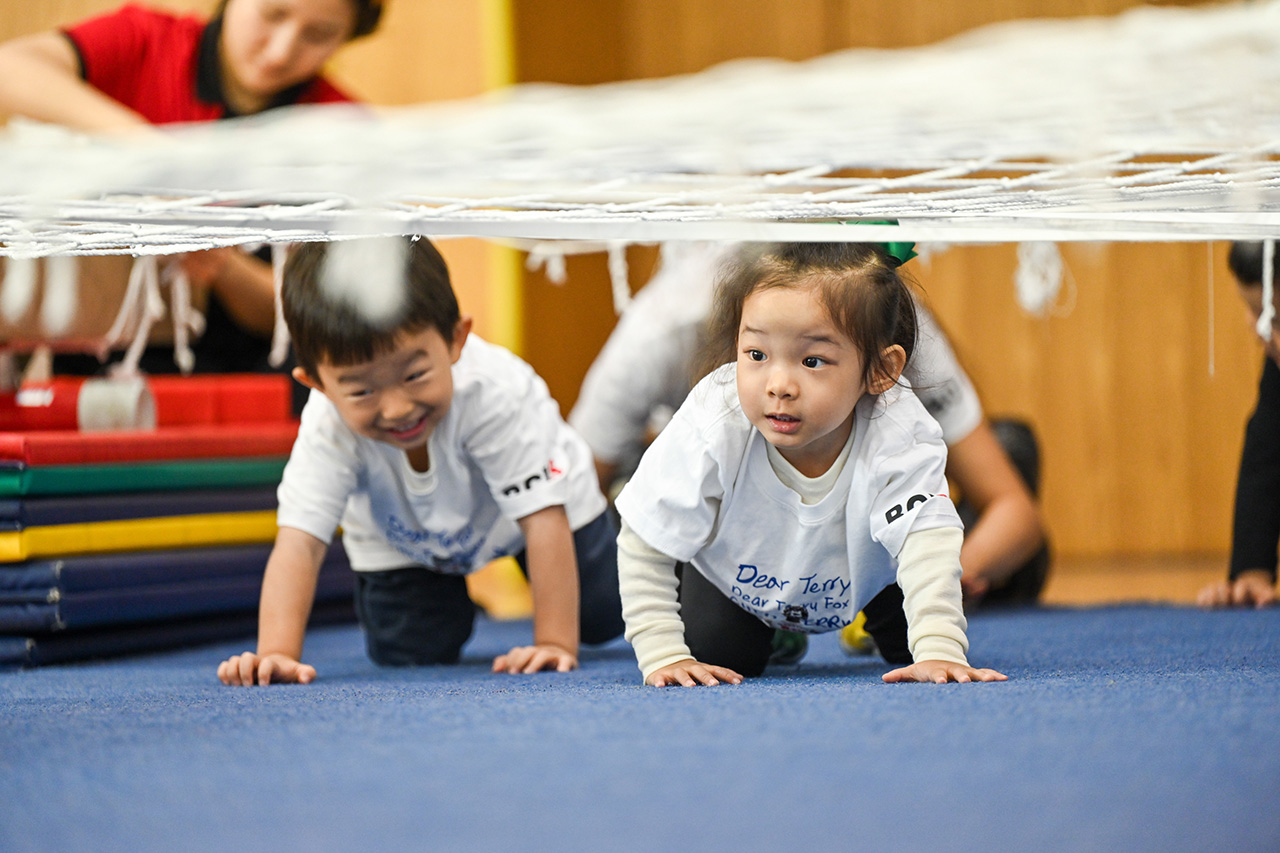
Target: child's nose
396, 406
781, 383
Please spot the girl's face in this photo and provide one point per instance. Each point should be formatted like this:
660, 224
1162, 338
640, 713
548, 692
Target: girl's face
269, 45
1252, 294
799, 376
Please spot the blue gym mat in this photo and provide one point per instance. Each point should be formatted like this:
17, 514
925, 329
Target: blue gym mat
1137, 728
144, 586
19, 513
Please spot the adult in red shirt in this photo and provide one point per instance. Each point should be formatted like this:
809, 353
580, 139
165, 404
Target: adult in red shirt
137, 66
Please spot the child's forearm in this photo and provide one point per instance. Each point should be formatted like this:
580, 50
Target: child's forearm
288, 590
553, 577
929, 574
650, 603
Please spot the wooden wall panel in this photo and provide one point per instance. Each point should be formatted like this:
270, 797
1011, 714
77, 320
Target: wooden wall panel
21, 17
1140, 438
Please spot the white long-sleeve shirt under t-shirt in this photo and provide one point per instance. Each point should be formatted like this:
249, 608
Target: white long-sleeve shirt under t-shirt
707, 494
501, 452
643, 373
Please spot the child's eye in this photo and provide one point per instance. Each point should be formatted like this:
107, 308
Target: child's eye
755, 355
416, 376
813, 361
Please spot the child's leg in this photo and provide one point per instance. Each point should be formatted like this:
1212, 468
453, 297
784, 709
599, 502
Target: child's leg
413, 616
595, 545
887, 624
718, 631
600, 608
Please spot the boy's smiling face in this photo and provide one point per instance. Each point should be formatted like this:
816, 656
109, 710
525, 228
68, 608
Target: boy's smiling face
400, 396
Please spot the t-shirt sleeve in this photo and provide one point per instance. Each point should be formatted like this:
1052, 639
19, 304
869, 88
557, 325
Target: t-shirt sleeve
642, 365
673, 499
909, 480
511, 428
646, 363
322, 472
941, 383
112, 47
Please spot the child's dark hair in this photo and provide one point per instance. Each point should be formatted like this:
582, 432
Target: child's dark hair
858, 284
327, 327
368, 13
1245, 260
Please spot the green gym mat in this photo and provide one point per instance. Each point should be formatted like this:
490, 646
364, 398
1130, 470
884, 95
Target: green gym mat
140, 476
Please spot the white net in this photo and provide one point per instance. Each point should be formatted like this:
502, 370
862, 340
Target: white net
1159, 124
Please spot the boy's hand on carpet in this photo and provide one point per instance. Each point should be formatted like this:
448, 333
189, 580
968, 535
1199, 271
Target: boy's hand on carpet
1253, 588
527, 659
691, 673
248, 669
940, 672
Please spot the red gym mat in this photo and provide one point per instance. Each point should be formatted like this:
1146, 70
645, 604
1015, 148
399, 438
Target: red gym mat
215, 441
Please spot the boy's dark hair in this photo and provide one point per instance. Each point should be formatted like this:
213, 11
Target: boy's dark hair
858, 284
368, 13
327, 327
1245, 260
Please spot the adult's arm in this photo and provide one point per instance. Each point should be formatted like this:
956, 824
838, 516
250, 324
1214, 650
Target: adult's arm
245, 286
1008, 529
40, 79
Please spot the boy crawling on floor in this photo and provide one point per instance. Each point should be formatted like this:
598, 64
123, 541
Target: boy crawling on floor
436, 452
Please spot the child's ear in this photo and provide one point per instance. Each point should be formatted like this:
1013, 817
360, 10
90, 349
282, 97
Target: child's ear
306, 379
460, 331
894, 359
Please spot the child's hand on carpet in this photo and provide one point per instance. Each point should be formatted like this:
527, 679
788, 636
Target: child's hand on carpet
940, 672
691, 673
527, 659
248, 669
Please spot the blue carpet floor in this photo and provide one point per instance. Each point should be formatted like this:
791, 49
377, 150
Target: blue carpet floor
1128, 728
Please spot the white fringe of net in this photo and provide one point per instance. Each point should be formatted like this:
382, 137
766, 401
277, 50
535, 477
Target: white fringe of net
1158, 124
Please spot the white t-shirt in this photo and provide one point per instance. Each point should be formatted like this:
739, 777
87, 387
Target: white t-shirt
705, 493
500, 453
643, 372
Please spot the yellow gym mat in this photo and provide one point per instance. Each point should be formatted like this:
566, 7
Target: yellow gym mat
142, 534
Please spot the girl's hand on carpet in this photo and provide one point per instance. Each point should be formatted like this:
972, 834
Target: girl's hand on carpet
691, 673
248, 669
940, 672
527, 659
1253, 588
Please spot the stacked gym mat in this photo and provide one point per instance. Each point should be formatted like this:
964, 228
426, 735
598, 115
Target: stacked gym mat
123, 541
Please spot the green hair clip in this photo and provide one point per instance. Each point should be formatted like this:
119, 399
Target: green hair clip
901, 251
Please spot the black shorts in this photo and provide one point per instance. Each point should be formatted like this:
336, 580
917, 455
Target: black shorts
413, 615
720, 632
